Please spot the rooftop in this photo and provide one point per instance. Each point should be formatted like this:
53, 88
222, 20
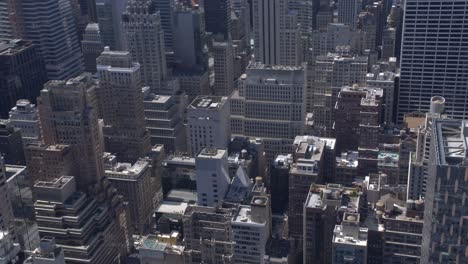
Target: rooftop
342, 198
211, 153
172, 207
9, 47
348, 159
451, 137
208, 102
127, 169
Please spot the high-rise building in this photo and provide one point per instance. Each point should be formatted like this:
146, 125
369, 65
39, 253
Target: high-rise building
143, 37
223, 56
270, 105
22, 73
357, 109
348, 11
109, 14
441, 72
444, 213
133, 182
91, 46
251, 230
164, 122
25, 117
326, 40
201, 226
350, 241
212, 174
331, 72
48, 162
208, 123
120, 100
11, 20
323, 209
11, 144
47, 253
193, 81
218, 17
52, 28
402, 232
6, 211
308, 168
189, 39
387, 81
419, 159
68, 116
279, 183
166, 11
86, 230
277, 35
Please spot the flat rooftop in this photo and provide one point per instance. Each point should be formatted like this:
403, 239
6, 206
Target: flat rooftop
208, 102
172, 207
451, 140
212, 153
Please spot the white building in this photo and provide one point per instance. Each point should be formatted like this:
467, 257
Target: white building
212, 174
143, 37
25, 117
350, 241
277, 34
441, 71
251, 231
208, 123
269, 104
348, 11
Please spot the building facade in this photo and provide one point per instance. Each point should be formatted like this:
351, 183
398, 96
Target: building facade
441, 72
120, 99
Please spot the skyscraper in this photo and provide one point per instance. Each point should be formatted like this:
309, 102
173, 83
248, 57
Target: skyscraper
11, 20
22, 73
120, 100
50, 25
223, 56
218, 17
348, 11
92, 46
143, 37
208, 123
86, 229
109, 13
445, 213
276, 33
166, 11
270, 104
442, 69
68, 116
